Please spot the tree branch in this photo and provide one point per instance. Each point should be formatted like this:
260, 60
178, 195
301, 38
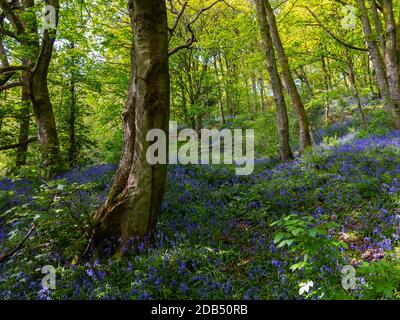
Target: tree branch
4, 61
14, 19
186, 45
9, 254
332, 35
12, 68
192, 38
10, 85
17, 145
8, 33
177, 19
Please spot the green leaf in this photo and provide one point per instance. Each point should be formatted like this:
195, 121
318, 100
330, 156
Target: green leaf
278, 237
312, 233
297, 231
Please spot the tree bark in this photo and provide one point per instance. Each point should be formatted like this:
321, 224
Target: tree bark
226, 85
370, 77
4, 77
327, 106
254, 92
72, 148
133, 205
398, 38
183, 90
378, 27
220, 102
305, 137
285, 152
391, 59
40, 53
35, 83
376, 57
306, 81
42, 107
262, 93
229, 89
25, 118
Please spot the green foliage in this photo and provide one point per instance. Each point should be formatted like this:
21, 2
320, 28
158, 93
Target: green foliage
381, 280
312, 245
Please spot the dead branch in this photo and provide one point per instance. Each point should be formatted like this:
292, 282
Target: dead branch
9, 254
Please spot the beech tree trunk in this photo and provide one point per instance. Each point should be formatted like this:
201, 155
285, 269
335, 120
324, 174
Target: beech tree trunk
38, 89
281, 111
376, 57
305, 136
42, 107
378, 27
391, 59
398, 38
39, 52
133, 206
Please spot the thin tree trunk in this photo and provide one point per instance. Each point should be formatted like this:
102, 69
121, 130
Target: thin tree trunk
235, 95
133, 206
353, 85
226, 84
229, 92
281, 112
220, 102
184, 100
4, 63
73, 148
25, 117
306, 81
327, 88
370, 81
262, 93
329, 73
254, 92
305, 137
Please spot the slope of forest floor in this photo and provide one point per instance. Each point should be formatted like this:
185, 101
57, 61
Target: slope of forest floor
284, 232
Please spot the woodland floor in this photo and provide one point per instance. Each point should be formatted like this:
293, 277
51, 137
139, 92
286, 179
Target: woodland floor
337, 205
